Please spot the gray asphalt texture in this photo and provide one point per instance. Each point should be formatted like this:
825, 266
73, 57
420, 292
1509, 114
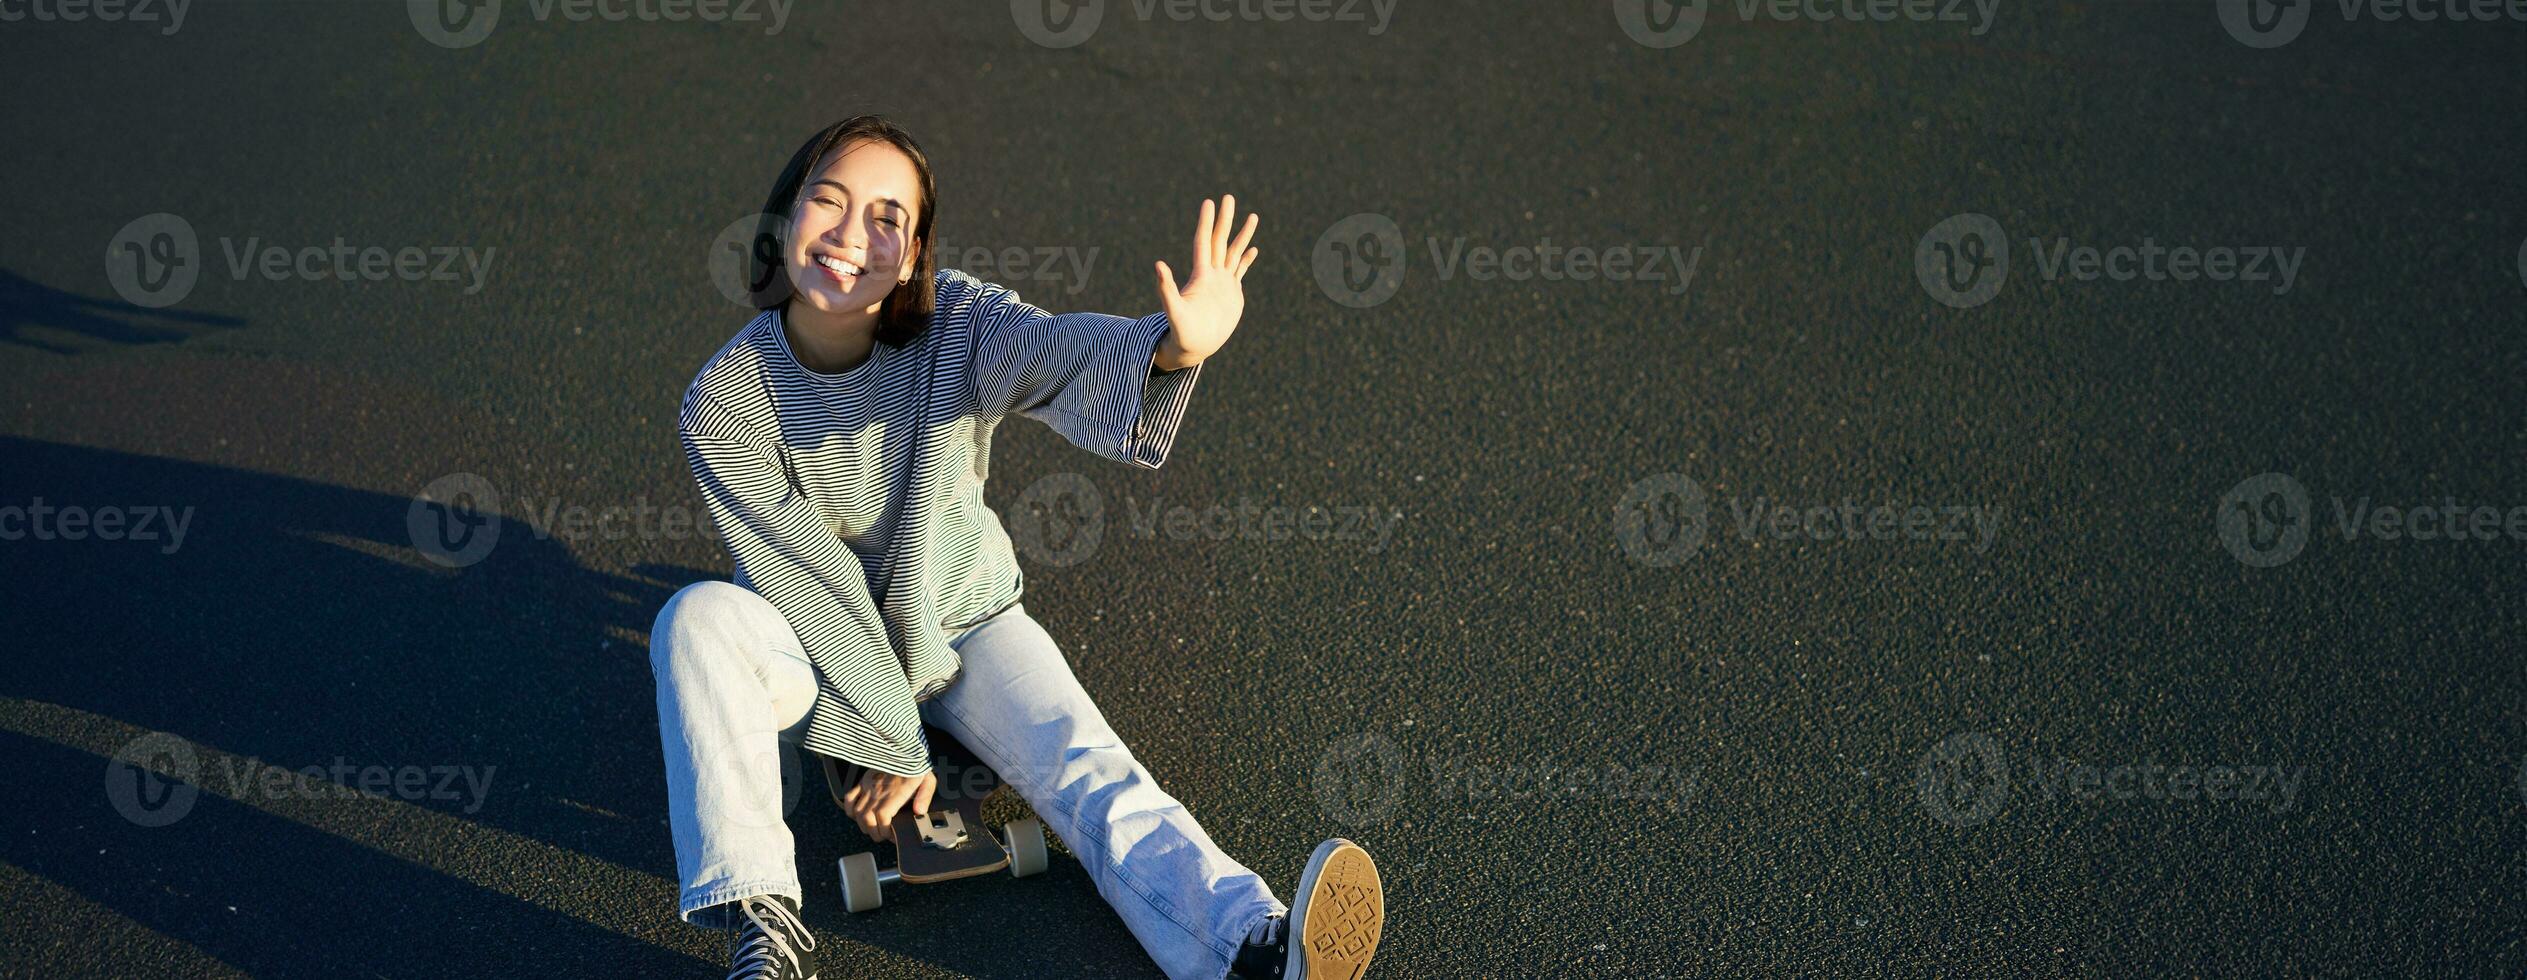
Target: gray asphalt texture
1766, 754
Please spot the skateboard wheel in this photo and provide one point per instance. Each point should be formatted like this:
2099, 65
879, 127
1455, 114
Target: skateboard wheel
859, 882
1026, 847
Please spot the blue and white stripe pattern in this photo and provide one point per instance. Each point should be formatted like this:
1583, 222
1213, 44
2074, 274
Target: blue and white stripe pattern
854, 501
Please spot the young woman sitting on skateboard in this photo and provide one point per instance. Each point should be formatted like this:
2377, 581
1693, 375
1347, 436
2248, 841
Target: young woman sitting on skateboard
840, 442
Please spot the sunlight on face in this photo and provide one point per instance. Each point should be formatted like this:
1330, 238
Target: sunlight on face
851, 230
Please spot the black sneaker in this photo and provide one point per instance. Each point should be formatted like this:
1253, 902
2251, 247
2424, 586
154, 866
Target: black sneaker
1333, 929
773, 944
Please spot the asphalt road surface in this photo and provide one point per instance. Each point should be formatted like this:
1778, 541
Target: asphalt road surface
2126, 579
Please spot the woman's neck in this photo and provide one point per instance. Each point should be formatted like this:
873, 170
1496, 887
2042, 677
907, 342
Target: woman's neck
828, 342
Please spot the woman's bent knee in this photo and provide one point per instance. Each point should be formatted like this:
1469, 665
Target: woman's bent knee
699, 612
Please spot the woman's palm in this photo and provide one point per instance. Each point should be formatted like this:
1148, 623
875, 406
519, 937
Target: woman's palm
1203, 313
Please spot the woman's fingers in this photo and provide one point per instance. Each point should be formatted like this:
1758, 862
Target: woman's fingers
1213, 247
859, 814
855, 804
1247, 262
898, 793
1219, 253
1245, 236
878, 802
1202, 231
1167, 284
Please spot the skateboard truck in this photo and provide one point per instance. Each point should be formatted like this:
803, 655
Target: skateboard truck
941, 829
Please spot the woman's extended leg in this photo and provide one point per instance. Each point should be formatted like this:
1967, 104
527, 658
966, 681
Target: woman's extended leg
733, 685
1017, 706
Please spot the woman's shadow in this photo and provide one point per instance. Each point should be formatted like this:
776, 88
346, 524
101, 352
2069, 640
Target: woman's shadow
299, 624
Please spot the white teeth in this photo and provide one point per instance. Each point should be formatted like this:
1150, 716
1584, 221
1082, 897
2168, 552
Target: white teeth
838, 265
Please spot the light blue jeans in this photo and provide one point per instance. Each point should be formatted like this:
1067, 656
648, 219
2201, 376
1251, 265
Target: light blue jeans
734, 689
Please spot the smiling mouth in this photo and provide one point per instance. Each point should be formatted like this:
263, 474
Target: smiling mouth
840, 268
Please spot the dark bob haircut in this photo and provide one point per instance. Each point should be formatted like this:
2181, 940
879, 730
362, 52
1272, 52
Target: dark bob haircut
906, 312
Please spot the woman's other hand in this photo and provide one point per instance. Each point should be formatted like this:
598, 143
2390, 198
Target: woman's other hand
1202, 314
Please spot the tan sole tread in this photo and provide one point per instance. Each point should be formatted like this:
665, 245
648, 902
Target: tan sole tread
1346, 915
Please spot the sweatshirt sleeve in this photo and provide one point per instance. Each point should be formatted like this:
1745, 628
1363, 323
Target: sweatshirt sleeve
792, 559
1088, 375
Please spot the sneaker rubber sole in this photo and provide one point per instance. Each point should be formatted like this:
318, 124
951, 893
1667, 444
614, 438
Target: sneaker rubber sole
1340, 915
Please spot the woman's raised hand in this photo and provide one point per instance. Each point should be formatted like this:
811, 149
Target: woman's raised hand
1205, 311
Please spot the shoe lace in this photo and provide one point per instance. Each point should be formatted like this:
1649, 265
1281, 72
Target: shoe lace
765, 946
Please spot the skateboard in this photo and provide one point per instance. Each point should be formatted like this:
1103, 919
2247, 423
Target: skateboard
947, 843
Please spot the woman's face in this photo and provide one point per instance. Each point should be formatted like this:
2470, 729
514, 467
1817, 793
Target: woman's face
851, 231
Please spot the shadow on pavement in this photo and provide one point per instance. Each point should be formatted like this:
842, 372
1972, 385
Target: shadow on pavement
26, 303
295, 623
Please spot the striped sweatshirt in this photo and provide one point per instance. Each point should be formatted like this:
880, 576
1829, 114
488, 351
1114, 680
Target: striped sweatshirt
854, 501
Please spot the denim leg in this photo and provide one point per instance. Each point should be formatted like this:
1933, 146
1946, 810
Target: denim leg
733, 688
1018, 707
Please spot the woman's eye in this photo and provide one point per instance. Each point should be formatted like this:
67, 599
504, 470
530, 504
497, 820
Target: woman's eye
889, 222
